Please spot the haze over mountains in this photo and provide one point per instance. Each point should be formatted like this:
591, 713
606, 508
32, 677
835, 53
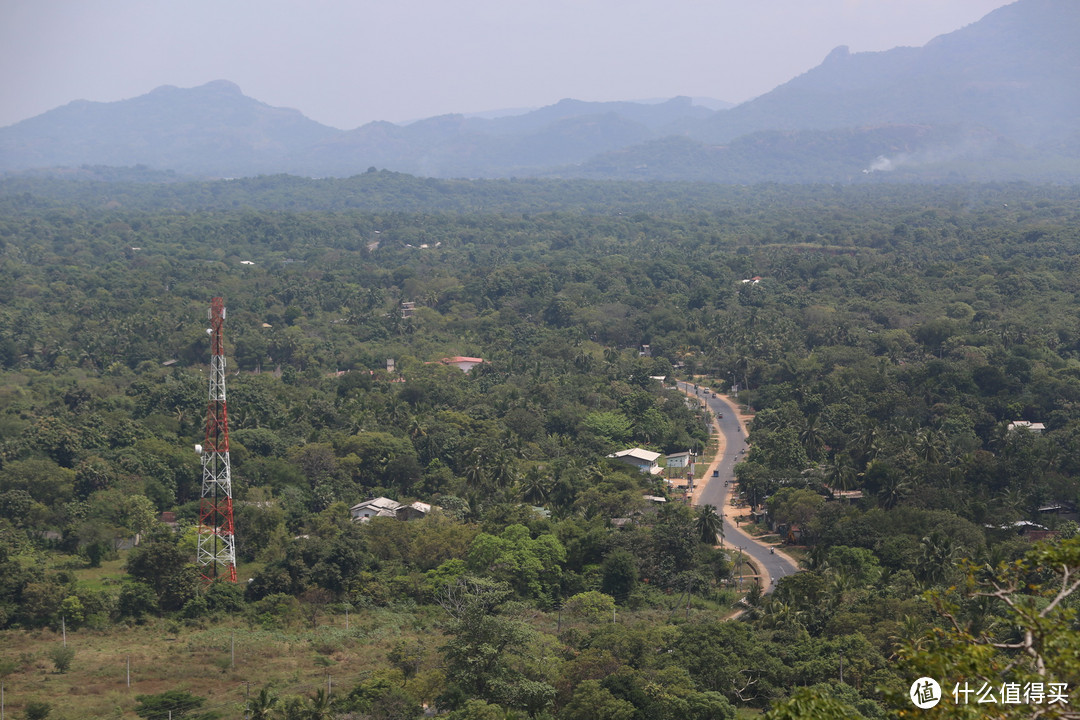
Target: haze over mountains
997, 100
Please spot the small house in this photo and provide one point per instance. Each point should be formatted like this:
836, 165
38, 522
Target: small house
643, 460
680, 464
464, 364
414, 511
377, 507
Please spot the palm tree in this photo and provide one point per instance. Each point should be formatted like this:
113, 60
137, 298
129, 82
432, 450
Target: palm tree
936, 558
416, 427
841, 472
319, 705
514, 444
779, 614
810, 437
708, 524
865, 443
394, 411
535, 485
476, 467
929, 445
1011, 502
583, 361
911, 630
819, 558
260, 707
894, 489
502, 470
839, 583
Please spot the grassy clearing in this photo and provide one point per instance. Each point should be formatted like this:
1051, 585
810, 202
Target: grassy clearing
217, 659
108, 577
212, 659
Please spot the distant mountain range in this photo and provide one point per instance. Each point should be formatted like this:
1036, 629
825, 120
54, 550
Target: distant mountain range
997, 100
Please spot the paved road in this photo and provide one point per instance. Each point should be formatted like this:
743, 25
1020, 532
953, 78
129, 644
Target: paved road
716, 493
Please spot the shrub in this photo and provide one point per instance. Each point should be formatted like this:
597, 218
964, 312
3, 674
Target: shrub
36, 710
136, 601
179, 703
62, 658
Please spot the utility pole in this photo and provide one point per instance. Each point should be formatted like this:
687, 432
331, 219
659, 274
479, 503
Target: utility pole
216, 555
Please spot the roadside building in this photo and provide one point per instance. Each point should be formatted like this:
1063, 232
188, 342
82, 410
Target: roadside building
681, 464
643, 460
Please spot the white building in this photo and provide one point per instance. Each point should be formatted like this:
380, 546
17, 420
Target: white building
1025, 425
643, 460
385, 507
377, 507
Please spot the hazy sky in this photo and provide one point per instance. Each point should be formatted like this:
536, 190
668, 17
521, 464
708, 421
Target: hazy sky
348, 62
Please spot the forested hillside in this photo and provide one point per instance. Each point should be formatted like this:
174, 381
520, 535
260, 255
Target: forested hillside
885, 337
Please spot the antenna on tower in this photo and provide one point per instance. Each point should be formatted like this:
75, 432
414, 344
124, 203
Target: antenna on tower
216, 555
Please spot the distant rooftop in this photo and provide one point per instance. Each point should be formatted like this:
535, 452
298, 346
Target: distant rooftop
637, 454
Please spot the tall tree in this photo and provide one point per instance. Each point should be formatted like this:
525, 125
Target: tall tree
709, 524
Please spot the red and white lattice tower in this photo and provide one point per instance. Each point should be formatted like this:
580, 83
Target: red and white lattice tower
216, 555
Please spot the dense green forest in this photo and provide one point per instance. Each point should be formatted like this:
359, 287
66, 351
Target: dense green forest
892, 336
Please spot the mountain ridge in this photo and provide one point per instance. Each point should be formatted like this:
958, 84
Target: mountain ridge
996, 99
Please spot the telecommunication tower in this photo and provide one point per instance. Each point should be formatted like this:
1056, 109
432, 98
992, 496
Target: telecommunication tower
216, 556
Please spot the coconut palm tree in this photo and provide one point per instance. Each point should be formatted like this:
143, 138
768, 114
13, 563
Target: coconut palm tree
930, 445
261, 706
894, 489
935, 558
811, 438
535, 485
318, 706
415, 427
841, 473
708, 524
